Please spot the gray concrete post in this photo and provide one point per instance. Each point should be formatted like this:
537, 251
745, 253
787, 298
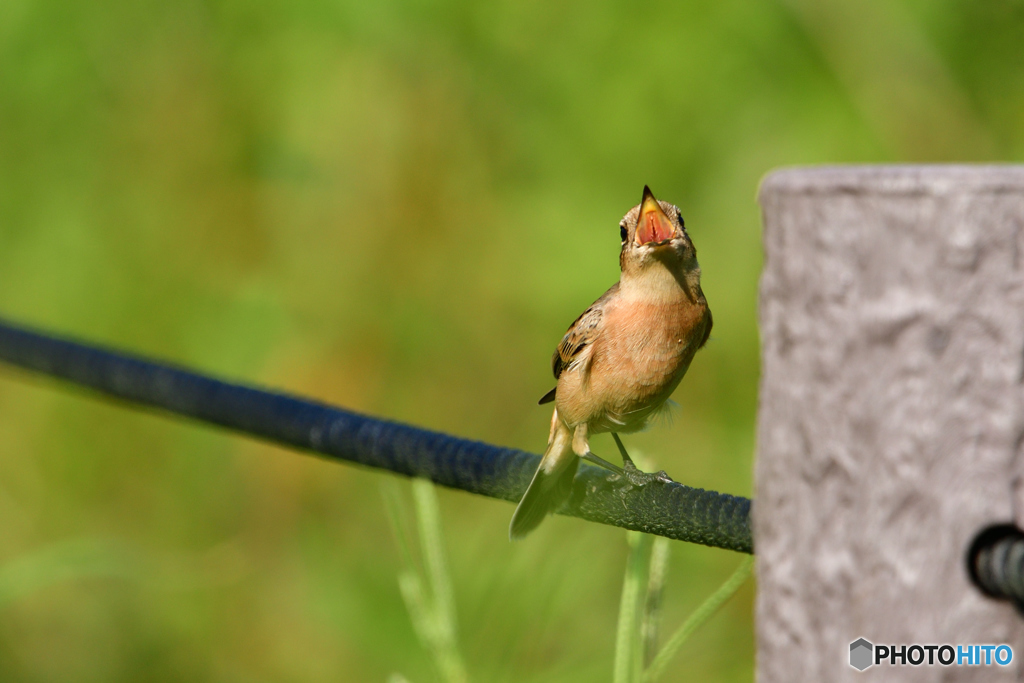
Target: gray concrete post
891, 422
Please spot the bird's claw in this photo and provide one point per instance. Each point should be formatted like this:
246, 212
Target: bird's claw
632, 474
662, 476
636, 477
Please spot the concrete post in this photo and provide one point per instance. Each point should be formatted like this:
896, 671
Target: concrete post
891, 423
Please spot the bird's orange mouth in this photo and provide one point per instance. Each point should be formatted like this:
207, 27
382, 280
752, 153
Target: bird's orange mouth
653, 226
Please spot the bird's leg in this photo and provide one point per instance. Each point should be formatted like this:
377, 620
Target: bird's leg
581, 447
633, 473
627, 461
601, 462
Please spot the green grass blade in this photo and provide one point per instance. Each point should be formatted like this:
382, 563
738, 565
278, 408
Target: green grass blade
697, 619
428, 514
410, 581
433, 615
652, 605
411, 587
628, 658
63, 561
398, 515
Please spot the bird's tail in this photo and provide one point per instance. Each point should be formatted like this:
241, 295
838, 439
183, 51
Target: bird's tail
551, 484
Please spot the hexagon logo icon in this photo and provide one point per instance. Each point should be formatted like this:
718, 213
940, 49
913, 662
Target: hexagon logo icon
861, 654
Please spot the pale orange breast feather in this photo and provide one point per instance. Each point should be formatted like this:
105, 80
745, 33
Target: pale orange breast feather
639, 358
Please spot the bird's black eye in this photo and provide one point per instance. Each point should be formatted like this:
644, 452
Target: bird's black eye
622, 232
682, 224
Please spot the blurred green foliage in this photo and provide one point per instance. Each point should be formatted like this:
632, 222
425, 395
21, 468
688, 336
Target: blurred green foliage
399, 207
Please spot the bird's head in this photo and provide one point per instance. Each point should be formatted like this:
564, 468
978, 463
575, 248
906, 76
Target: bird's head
653, 233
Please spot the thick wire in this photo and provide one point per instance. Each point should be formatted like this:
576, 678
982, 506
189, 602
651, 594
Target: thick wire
665, 509
995, 563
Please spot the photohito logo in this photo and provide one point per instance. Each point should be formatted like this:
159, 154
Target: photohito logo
863, 654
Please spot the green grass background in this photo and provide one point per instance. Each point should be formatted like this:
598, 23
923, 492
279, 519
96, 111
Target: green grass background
399, 207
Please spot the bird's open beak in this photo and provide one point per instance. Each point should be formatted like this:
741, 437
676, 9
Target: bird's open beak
653, 226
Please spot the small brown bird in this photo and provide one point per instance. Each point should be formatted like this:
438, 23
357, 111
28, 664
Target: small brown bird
621, 360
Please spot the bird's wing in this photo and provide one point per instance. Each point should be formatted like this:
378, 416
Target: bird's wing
709, 323
581, 334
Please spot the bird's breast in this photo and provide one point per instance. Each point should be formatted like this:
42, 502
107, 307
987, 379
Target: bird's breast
644, 346
638, 359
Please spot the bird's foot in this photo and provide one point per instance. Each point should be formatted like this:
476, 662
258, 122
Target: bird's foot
632, 474
637, 477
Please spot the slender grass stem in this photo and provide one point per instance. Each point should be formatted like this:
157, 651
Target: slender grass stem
628, 647
655, 593
427, 589
64, 561
446, 647
697, 619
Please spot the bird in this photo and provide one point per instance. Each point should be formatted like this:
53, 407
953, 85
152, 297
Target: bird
620, 361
